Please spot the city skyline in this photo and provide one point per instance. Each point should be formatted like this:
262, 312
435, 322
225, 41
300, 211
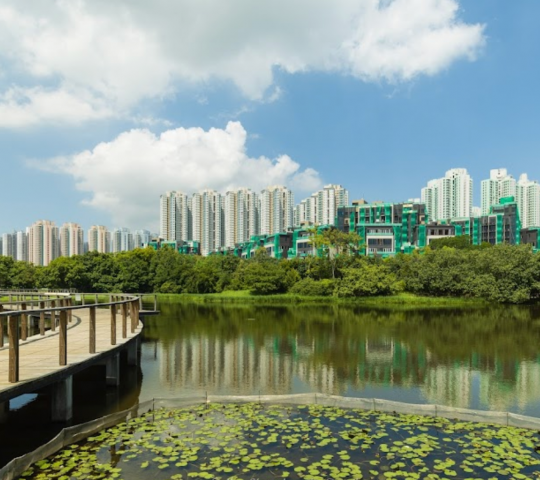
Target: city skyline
439, 204
297, 97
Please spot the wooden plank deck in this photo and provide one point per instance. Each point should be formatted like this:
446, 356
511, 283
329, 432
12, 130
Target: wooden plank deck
39, 355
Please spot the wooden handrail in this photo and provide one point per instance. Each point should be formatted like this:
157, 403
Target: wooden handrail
64, 306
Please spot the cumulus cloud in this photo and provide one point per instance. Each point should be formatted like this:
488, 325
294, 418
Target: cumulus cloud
120, 53
126, 176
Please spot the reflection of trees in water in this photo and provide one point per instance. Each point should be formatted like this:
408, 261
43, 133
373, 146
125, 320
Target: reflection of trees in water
357, 346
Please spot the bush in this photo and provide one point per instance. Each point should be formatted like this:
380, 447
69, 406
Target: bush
367, 280
315, 288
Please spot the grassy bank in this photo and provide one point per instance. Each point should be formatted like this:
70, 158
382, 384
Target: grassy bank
402, 299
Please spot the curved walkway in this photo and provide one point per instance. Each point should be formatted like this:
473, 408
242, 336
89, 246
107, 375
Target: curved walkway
39, 355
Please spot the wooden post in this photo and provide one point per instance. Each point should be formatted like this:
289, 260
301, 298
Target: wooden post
124, 320
13, 331
96, 298
53, 316
63, 337
93, 329
24, 323
1, 326
140, 303
113, 324
82, 299
155, 303
70, 312
42, 319
134, 315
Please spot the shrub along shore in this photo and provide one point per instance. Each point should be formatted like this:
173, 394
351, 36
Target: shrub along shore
447, 275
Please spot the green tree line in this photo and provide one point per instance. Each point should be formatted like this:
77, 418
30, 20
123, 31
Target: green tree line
503, 273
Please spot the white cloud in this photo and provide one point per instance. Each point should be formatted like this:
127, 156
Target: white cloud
122, 52
126, 176
21, 107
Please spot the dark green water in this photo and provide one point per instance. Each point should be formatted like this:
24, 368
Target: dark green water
470, 358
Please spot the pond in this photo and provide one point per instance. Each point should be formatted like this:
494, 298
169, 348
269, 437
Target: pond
481, 358
469, 358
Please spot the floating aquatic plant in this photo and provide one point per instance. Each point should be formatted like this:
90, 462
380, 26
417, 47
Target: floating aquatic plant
310, 442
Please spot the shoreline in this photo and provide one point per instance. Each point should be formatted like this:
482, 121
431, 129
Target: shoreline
400, 300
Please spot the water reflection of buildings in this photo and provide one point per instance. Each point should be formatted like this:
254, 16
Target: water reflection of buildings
278, 365
448, 385
501, 386
218, 365
241, 365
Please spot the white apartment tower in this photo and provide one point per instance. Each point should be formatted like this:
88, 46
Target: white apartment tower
122, 240
321, 207
241, 216
329, 199
9, 245
22, 246
141, 238
43, 243
499, 185
528, 200
450, 196
207, 209
303, 212
99, 239
175, 216
276, 210
71, 240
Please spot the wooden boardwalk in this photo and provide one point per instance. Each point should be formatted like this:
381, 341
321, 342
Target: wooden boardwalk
39, 363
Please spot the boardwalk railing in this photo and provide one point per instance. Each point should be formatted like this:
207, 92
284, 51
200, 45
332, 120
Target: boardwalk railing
16, 307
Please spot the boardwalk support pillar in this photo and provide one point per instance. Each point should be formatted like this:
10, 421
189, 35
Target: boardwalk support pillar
133, 352
62, 400
4, 411
113, 370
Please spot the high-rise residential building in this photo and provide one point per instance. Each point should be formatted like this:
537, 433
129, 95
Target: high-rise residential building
207, 213
241, 216
195, 207
212, 221
22, 246
450, 196
304, 212
276, 211
71, 240
9, 245
499, 185
321, 207
329, 199
43, 243
121, 240
99, 239
174, 216
141, 238
528, 200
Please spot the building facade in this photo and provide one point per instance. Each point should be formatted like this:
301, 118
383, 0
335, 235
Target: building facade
174, 216
241, 217
528, 200
99, 239
450, 196
276, 210
498, 185
43, 243
71, 240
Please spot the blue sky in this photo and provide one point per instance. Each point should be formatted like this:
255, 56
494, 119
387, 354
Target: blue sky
102, 107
